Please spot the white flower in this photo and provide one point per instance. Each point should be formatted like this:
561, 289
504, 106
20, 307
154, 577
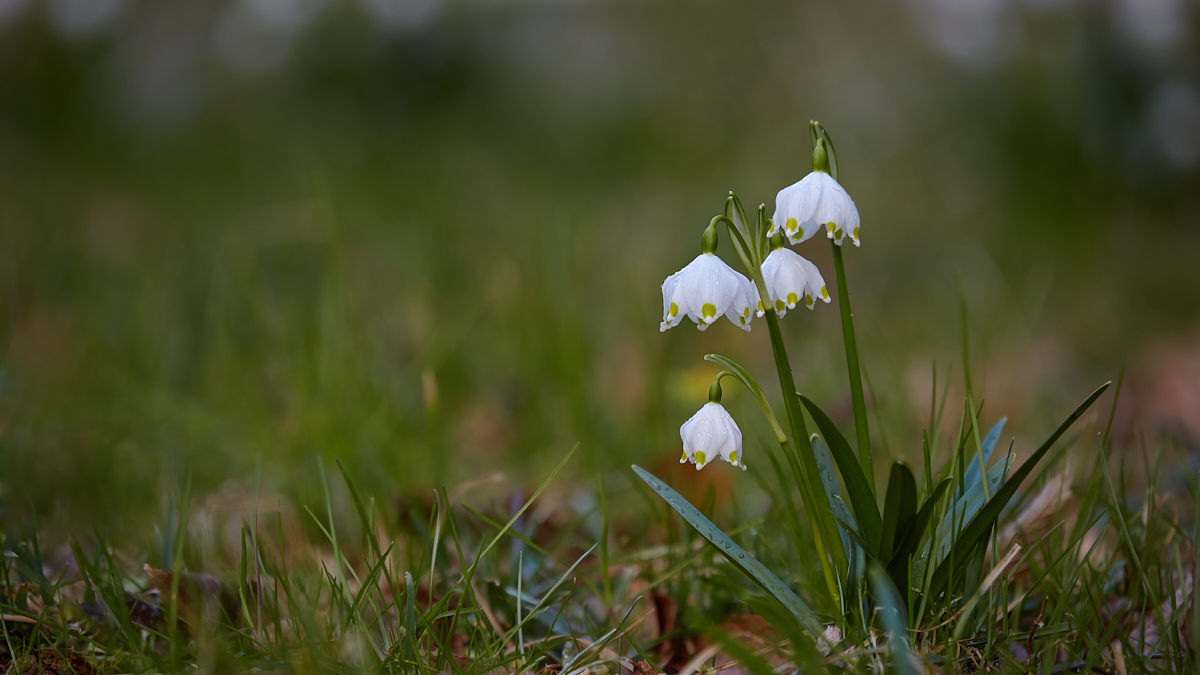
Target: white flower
709, 433
816, 201
790, 278
703, 291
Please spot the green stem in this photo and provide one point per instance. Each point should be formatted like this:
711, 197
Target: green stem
856, 388
805, 468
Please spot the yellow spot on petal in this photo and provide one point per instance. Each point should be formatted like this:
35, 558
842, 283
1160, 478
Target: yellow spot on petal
824, 293
800, 234
838, 234
760, 306
699, 458
854, 234
779, 305
674, 310
709, 310
831, 227
791, 224
746, 312
683, 458
792, 299
733, 458
808, 300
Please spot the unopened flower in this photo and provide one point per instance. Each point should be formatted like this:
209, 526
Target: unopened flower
706, 289
816, 202
790, 278
710, 433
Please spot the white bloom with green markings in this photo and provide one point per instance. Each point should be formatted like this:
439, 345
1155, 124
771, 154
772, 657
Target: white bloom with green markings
816, 202
703, 291
709, 434
790, 280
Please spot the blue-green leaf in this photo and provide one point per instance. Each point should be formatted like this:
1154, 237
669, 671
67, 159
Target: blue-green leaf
972, 477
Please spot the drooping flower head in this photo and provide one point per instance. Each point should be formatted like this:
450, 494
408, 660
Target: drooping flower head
816, 202
790, 278
706, 289
711, 433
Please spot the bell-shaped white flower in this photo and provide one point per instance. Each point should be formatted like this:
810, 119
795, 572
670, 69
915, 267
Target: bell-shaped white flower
816, 202
709, 434
703, 291
790, 279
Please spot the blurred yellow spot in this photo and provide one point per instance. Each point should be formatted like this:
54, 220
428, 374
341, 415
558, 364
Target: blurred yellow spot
808, 300
791, 224
709, 310
699, 458
855, 233
779, 305
683, 458
674, 310
824, 293
792, 299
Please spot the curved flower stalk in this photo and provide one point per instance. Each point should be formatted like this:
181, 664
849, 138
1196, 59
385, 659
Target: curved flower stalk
711, 433
816, 202
790, 279
706, 289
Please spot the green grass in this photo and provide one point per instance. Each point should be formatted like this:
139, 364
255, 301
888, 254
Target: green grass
1082, 572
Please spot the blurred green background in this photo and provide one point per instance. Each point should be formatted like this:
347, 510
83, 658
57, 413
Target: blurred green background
427, 236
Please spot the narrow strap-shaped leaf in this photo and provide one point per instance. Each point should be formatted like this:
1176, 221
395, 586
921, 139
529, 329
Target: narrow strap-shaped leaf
832, 491
747, 563
410, 618
861, 497
979, 526
895, 620
852, 541
897, 567
965, 509
912, 539
899, 508
972, 476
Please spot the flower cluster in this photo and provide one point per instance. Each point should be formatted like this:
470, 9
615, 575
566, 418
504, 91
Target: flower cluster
708, 288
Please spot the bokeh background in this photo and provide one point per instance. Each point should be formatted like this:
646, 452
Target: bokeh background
427, 236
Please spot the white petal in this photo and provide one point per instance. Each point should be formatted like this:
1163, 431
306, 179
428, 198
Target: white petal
816, 282
672, 296
812, 204
740, 311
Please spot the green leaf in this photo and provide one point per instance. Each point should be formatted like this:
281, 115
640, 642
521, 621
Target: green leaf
736, 554
861, 497
965, 509
979, 526
898, 565
410, 618
899, 508
895, 622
